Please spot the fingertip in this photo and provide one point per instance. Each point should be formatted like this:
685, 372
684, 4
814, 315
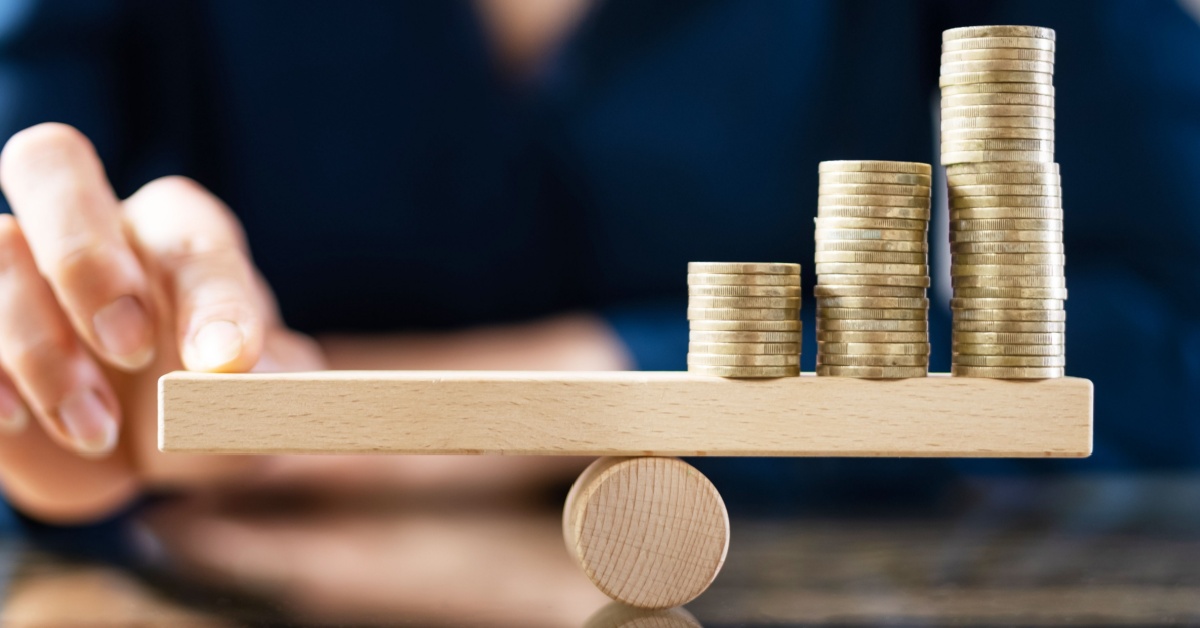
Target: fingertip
14, 416
125, 332
88, 425
39, 143
221, 346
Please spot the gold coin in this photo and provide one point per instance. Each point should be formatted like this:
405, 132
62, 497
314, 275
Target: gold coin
971, 156
745, 348
998, 88
991, 213
975, 43
1005, 167
1001, 338
1006, 213
868, 291
873, 336
1036, 270
1011, 293
894, 314
1009, 326
850, 324
871, 223
1005, 236
997, 65
748, 268
742, 314
744, 291
874, 372
842, 359
997, 122
1048, 316
870, 234
1000, 144
1034, 350
874, 302
983, 303
1009, 360
1006, 178
749, 372
870, 257
789, 325
874, 348
966, 202
997, 189
868, 211
972, 32
997, 98
1009, 281
988, 54
872, 269
910, 246
1007, 224
964, 78
873, 199
907, 167
969, 248
736, 279
885, 178
1003, 111
873, 188
1000, 372
744, 336
744, 302
917, 281
986, 133
717, 359
972, 259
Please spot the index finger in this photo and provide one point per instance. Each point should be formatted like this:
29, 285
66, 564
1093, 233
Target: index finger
57, 188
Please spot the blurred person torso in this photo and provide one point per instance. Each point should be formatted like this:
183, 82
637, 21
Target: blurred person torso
392, 175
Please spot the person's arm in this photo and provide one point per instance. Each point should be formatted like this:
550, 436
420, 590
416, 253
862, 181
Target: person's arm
567, 342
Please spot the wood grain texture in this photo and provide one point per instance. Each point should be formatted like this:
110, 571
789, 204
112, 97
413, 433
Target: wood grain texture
621, 413
649, 532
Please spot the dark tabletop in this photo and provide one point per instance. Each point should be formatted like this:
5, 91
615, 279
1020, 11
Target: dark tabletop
1095, 550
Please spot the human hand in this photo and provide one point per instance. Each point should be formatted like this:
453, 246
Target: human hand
98, 298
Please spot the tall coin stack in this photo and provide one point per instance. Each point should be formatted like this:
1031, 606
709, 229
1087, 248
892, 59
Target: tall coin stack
744, 319
1005, 202
872, 269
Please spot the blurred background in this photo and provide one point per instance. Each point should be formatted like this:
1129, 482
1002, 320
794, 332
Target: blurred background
423, 167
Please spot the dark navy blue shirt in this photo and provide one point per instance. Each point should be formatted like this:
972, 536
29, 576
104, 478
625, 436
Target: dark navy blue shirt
390, 178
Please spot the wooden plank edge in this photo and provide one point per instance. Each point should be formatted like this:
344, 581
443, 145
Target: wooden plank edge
1077, 431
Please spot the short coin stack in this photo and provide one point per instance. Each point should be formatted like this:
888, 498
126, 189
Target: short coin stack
1005, 202
744, 319
872, 269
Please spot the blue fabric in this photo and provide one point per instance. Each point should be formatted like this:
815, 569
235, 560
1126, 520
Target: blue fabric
389, 179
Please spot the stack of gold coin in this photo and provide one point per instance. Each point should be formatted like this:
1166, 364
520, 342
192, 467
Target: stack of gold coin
1005, 202
872, 269
744, 319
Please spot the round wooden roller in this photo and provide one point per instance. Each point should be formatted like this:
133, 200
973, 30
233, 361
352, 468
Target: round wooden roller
649, 532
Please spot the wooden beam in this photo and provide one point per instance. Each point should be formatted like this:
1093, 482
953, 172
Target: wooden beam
621, 414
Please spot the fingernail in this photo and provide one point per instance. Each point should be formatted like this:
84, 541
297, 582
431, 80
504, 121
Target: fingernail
88, 423
217, 344
13, 415
124, 331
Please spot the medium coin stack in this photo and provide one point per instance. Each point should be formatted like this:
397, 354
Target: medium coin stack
744, 319
872, 269
1005, 202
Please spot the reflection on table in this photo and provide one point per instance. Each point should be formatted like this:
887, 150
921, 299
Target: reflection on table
1112, 550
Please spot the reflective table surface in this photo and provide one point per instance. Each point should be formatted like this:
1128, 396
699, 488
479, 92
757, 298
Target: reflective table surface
1081, 550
